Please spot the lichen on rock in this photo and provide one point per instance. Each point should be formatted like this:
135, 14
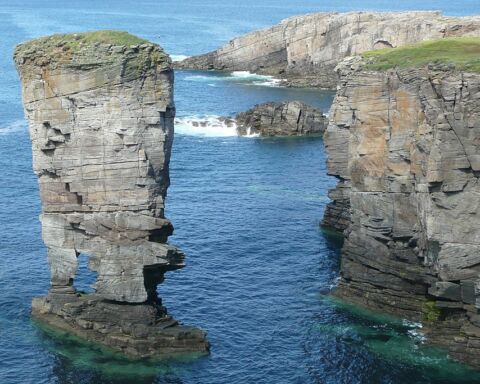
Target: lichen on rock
100, 110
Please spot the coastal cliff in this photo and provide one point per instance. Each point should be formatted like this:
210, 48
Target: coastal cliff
404, 142
101, 112
305, 49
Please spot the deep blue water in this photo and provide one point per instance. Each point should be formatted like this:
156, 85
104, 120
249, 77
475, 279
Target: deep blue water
246, 212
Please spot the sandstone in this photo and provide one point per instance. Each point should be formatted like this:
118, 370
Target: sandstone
292, 118
403, 143
101, 124
305, 49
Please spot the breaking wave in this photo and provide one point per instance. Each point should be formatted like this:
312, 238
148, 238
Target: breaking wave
238, 77
208, 126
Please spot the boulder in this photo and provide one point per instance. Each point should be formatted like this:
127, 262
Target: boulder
292, 118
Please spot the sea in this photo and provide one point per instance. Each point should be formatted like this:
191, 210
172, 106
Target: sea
246, 212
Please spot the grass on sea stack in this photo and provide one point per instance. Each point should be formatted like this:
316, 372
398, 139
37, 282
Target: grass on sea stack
461, 52
76, 41
110, 37
84, 49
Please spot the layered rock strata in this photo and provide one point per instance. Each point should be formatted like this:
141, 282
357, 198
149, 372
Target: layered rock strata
305, 49
292, 118
100, 111
405, 146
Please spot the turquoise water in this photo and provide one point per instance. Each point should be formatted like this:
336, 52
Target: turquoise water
246, 212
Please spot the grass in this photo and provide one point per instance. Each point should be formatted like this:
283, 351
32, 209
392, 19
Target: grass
84, 49
463, 53
102, 37
431, 312
75, 41
110, 37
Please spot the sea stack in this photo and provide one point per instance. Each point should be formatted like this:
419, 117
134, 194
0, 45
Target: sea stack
101, 113
404, 142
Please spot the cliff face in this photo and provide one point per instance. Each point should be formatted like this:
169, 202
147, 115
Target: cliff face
405, 145
305, 49
292, 118
100, 110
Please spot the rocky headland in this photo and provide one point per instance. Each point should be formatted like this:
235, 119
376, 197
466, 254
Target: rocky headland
292, 118
305, 49
101, 113
404, 143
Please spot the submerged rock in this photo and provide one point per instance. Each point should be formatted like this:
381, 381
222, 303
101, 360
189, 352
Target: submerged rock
305, 49
292, 118
100, 110
404, 143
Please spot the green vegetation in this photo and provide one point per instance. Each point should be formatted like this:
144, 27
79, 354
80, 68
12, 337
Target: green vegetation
107, 37
75, 41
462, 52
431, 312
91, 48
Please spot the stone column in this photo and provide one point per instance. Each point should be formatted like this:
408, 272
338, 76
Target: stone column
100, 110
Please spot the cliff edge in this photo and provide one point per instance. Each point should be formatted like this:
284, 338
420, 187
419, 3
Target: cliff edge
404, 142
100, 111
305, 49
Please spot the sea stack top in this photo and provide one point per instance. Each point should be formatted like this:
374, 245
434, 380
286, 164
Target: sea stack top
87, 50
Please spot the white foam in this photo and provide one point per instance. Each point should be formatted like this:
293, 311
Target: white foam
244, 74
179, 57
238, 77
417, 335
207, 126
269, 83
334, 283
15, 126
250, 134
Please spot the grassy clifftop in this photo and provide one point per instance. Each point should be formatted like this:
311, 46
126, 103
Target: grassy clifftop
462, 52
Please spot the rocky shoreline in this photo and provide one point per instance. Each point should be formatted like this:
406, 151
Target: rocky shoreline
403, 140
272, 119
304, 50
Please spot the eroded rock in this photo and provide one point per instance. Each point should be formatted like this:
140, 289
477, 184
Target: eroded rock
292, 118
100, 111
305, 49
404, 144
